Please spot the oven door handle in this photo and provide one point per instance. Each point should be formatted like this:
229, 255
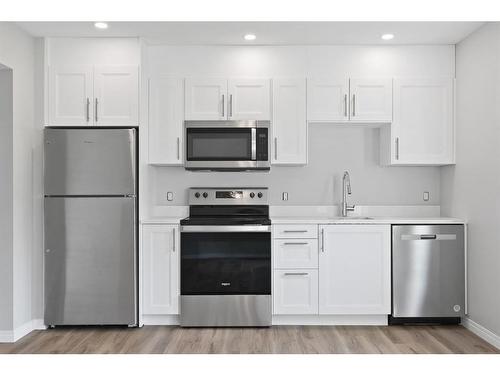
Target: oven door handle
224, 228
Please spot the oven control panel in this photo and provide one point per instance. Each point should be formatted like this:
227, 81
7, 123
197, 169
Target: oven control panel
228, 196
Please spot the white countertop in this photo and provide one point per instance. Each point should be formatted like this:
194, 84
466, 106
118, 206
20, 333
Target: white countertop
331, 220
372, 220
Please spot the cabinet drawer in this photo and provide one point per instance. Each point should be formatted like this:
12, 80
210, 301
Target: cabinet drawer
295, 253
295, 231
295, 292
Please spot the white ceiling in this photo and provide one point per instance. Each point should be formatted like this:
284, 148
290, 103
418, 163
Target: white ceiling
268, 33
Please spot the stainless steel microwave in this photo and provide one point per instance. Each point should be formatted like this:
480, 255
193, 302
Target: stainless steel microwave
227, 145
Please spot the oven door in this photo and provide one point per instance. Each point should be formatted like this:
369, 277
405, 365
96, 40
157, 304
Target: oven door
224, 145
225, 260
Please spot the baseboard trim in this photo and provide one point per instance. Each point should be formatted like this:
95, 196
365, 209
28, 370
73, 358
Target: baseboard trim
21, 331
482, 332
331, 320
160, 320
298, 320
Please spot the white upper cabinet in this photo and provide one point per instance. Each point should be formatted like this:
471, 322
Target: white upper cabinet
71, 96
328, 100
84, 95
370, 99
422, 132
160, 269
289, 146
206, 99
355, 269
166, 120
233, 99
249, 99
116, 96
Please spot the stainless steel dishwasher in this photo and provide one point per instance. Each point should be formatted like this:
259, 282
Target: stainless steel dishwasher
428, 274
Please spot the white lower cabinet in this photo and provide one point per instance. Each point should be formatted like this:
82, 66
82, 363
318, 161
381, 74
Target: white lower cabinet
355, 269
295, 253
295, 291
160, 269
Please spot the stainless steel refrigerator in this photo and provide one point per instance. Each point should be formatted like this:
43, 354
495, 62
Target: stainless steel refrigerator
90, 226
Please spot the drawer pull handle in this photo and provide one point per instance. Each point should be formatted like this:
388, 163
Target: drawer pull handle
296, 273
295, 231
294, 243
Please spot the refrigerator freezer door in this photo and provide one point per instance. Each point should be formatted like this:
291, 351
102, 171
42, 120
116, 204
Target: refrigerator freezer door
89, 161
428, 265
90, 261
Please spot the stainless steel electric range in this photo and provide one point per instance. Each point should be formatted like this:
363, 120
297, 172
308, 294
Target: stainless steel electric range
226, 258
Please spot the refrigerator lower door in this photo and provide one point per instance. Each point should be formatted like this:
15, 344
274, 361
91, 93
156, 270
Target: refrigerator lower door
90, 261
428, 265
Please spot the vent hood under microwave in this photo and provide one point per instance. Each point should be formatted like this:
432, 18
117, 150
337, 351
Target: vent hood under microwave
227, 145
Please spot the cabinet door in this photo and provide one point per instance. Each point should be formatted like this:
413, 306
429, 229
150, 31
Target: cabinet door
249, 99
355, 269
295, 291
206, 99
160, 273
70, 98
116, 96
289, 144
371, 100
166, 117
423, 127
327, 99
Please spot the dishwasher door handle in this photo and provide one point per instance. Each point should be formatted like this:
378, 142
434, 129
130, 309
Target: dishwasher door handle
432, 237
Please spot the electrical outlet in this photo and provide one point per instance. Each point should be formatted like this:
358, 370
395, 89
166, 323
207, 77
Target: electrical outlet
284, 196
170, 196
426, 196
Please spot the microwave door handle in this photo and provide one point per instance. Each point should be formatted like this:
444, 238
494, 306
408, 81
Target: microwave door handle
254, 143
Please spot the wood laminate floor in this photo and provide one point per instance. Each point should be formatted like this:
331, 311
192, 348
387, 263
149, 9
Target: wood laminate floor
277, 339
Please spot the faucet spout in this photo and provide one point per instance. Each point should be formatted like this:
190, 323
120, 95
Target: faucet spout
346, 189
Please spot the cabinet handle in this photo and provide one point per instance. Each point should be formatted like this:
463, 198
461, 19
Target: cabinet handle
223, 105
345, 105
88, 109
295, 231
294, 243
178, 149
275, 148
353, 105
231, 105
296, 273
322, 240
95, 109
173, 239
397, 147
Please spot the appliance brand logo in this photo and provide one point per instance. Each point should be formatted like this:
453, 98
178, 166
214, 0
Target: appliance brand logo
225, 284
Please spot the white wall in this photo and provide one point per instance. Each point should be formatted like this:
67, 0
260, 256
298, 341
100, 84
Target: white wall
6, 194
471, 189
331, 149
18, 53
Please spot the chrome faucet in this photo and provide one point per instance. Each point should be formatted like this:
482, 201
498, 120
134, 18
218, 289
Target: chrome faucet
346, 189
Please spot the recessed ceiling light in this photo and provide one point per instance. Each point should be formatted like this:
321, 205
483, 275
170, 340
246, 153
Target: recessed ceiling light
250, 37
388, 36
101, 25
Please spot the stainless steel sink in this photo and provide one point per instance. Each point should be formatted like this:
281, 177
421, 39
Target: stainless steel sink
353, 218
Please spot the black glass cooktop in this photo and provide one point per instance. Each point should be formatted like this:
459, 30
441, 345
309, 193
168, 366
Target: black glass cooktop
226, 220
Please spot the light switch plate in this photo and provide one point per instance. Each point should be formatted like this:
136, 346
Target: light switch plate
284, 196
426, 196
170, 196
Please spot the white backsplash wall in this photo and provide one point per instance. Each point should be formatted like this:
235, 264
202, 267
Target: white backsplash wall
332, 150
